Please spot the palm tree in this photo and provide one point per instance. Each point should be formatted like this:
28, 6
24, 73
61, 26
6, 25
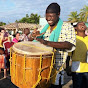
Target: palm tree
84, 14
73, 17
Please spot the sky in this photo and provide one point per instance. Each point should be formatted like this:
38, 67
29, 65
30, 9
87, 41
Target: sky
12, 10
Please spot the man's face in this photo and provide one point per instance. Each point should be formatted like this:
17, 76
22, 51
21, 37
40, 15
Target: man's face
52, 18
81, 26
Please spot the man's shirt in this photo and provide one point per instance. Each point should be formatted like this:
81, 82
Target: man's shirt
67, 34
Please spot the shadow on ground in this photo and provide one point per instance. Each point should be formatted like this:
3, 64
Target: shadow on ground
6, 82
67, 81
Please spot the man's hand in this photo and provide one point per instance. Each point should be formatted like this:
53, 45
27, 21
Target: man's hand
42, 41
36, 34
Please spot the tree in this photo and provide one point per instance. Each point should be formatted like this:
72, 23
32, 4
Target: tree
2, 23
24, 20
27, 16
16, 21
73, 17
33, 18
84, 14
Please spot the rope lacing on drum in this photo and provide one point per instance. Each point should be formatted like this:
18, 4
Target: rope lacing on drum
40, 70
10, 61
39, 76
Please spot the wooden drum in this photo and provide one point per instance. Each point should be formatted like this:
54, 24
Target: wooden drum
30, 64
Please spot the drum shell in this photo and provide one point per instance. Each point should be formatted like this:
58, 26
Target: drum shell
25, 69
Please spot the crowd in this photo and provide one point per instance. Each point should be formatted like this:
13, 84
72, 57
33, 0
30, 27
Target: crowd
64, 38
6, 42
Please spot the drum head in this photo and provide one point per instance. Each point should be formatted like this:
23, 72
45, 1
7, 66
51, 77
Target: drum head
31, 48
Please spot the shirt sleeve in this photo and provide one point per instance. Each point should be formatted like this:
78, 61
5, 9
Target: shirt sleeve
70, 36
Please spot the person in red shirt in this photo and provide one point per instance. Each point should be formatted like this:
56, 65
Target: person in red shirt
7, 44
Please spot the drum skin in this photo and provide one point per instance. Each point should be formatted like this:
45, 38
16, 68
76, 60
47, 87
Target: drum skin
25, 68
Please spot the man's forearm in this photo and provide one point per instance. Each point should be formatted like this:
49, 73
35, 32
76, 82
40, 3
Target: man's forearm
60, 45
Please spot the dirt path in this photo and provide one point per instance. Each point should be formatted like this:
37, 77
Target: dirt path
6, 82
68, 81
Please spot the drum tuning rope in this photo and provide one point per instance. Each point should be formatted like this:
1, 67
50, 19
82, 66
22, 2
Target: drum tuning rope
10, 61
14, 68
51, 67
58, 70
24, 66
24, 69
40, 67
39, 76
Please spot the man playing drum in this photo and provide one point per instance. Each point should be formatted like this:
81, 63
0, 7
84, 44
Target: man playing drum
59, 35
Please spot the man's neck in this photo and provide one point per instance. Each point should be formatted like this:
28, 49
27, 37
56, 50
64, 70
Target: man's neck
82, 34
53, 26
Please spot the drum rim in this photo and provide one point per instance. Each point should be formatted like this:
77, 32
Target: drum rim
31, 53
32, 56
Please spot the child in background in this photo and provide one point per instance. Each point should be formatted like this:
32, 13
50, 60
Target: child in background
3, 62
7, 44
25, 35
3, 36
16, 39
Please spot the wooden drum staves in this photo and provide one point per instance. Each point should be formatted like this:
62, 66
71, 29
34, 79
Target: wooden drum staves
30, 64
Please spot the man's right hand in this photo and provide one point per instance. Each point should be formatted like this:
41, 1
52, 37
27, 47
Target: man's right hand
36, 34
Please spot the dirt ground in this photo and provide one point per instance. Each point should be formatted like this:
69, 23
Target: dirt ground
6, 83
67, 81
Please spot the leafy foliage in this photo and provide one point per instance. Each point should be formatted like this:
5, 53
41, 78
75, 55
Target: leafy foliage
82, 16
74, 17
2, 23
33, 18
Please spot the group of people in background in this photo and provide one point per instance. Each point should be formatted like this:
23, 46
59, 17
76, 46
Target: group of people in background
6, 42
63, 37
